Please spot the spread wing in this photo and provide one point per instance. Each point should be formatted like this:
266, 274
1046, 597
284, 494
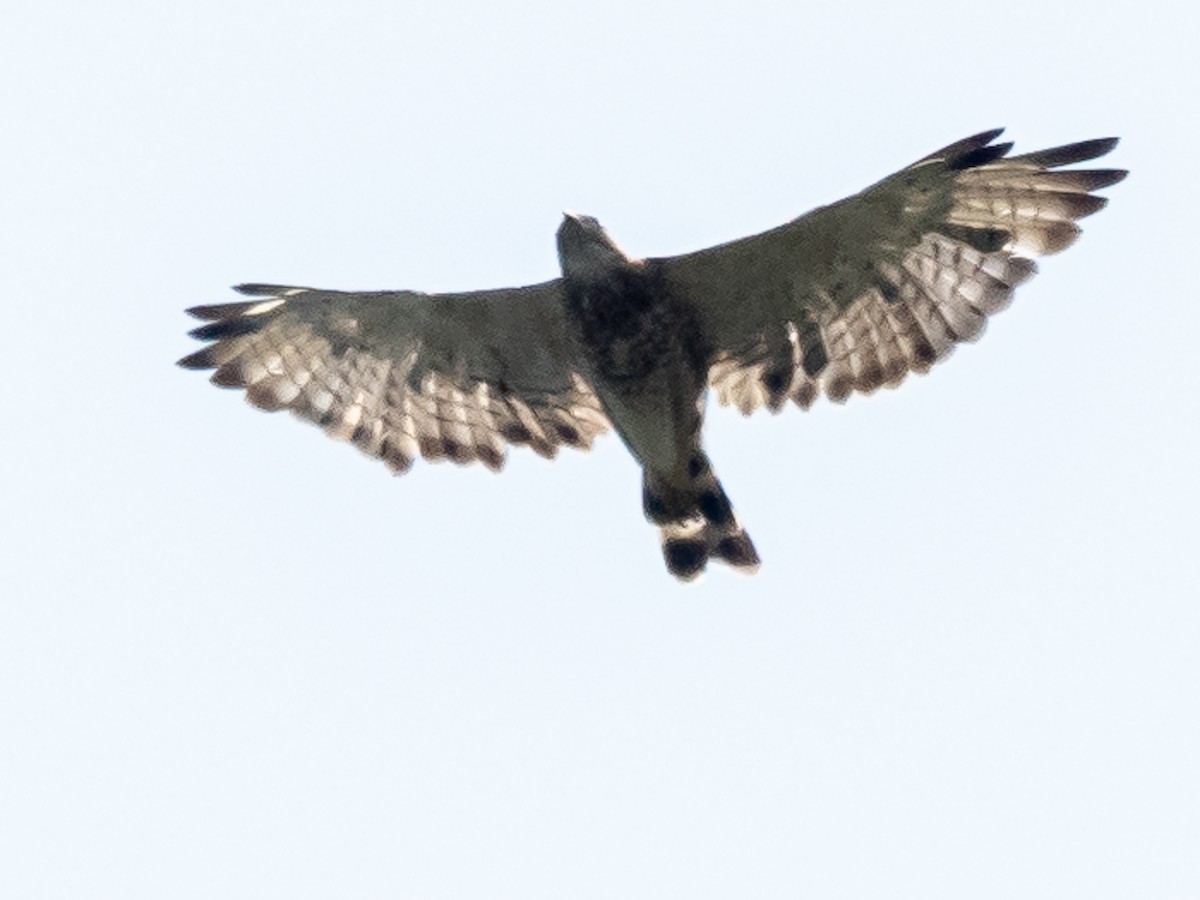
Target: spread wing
402, 374
856, 295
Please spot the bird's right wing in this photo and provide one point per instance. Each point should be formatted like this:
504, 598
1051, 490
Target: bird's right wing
402, 374
856, 295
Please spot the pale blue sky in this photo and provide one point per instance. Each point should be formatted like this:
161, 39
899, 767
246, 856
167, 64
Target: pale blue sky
238, 659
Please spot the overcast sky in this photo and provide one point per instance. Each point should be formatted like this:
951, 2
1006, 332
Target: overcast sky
238, 659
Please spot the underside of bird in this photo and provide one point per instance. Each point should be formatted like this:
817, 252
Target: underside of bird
847, 299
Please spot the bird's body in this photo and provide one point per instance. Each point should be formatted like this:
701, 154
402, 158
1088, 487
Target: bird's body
640, 349
645, 356
848, 298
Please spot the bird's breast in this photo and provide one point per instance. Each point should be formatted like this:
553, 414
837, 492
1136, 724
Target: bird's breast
622, 323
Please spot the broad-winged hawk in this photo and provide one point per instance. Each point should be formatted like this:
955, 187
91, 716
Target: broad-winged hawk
850, 297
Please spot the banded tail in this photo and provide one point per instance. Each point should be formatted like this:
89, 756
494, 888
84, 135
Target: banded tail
697, 522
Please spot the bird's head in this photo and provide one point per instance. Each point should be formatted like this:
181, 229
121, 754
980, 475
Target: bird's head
585, 249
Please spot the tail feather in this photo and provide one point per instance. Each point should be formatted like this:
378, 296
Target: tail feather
697, 523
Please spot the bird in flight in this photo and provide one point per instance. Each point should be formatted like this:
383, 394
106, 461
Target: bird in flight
848, 298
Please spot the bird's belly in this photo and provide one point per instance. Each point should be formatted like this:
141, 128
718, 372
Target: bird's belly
639, 366
657, 422
650, 395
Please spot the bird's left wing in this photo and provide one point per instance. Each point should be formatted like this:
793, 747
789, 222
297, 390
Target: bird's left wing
402, 374
856, 295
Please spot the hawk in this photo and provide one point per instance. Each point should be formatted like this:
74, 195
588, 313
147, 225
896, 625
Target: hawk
849, 298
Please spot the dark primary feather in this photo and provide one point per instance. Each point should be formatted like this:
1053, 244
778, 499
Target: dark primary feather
963, 146
1082, 151
979, 157
226, 328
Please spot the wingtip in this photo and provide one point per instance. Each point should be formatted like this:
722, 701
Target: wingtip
982, 139
966, 146
980, 156
217, 312
199, 312
254, 289
225, 328
1094, 148
1068, 154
